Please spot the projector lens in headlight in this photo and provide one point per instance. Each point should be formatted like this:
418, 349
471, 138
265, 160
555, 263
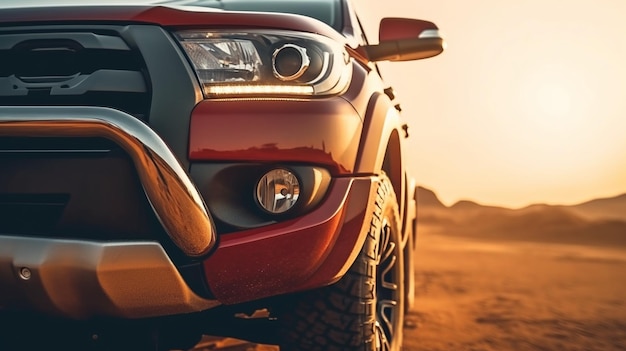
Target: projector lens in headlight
289, 62
278, 191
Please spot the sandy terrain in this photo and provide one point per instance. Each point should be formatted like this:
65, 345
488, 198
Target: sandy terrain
478, 295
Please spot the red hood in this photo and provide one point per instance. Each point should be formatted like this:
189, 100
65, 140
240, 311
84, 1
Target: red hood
179, 17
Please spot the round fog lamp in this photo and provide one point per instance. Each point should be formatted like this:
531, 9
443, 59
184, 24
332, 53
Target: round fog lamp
278, 191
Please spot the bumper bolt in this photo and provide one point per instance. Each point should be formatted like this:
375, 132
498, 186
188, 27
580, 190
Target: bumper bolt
25, 273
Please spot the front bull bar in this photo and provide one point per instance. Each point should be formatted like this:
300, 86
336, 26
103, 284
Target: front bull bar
174, 198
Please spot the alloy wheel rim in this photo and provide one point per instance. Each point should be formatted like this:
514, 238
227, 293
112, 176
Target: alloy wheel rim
387, 294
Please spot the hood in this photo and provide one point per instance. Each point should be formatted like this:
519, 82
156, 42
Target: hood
150, 12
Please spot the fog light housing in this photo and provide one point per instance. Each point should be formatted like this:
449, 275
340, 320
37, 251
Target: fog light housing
277, 191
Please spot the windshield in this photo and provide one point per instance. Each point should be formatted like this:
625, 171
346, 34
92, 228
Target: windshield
327, 11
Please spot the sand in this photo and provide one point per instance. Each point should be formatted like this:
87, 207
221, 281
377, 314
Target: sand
481, 295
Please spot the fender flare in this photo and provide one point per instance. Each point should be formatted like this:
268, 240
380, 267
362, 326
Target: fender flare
381, 149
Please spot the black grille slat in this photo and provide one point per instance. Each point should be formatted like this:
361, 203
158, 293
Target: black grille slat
18, 211
72, 68
99, 81
22, 147
64, 62
131, 103
86, 40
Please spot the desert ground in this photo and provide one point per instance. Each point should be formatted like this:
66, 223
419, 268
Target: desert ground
482, 295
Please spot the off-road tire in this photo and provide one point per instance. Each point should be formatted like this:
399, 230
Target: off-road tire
409, 273
365, 309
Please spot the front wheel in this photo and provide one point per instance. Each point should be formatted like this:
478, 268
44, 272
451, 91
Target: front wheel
365, 309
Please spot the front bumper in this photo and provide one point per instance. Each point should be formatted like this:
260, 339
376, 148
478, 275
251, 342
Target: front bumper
85, 278
81, 279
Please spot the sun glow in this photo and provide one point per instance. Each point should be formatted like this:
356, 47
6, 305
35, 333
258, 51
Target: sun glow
553, 101
550, 127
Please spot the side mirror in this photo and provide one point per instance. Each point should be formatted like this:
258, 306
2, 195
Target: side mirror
403, 39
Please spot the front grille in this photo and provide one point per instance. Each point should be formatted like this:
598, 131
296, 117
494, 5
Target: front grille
72, 68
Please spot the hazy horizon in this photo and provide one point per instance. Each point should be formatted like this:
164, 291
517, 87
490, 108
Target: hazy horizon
550, 203
461, 198
525, 106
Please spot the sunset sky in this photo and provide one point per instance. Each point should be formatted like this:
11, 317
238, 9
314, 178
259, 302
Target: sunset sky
527, 104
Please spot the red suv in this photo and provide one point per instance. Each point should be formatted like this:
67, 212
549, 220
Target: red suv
178, 168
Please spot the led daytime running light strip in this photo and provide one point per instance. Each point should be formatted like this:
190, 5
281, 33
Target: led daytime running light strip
218, 90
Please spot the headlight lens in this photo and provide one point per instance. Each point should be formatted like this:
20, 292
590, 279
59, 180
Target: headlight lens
266, 63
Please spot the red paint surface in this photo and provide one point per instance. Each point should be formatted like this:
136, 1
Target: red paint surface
402, 28
179, 16
310, 251
323, 132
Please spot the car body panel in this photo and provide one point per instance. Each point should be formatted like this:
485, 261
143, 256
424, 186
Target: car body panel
324, 132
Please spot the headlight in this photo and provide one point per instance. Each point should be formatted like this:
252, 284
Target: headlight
266, 63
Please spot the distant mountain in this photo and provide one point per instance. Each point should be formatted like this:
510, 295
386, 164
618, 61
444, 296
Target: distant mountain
466, 205
428, 198
430, 210
606, 208
596, 222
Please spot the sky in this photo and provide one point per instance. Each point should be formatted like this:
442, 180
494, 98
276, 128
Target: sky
526, 105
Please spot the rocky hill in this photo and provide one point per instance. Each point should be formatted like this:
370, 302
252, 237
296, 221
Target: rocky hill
598, 222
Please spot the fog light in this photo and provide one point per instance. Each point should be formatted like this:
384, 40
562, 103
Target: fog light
278, 191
